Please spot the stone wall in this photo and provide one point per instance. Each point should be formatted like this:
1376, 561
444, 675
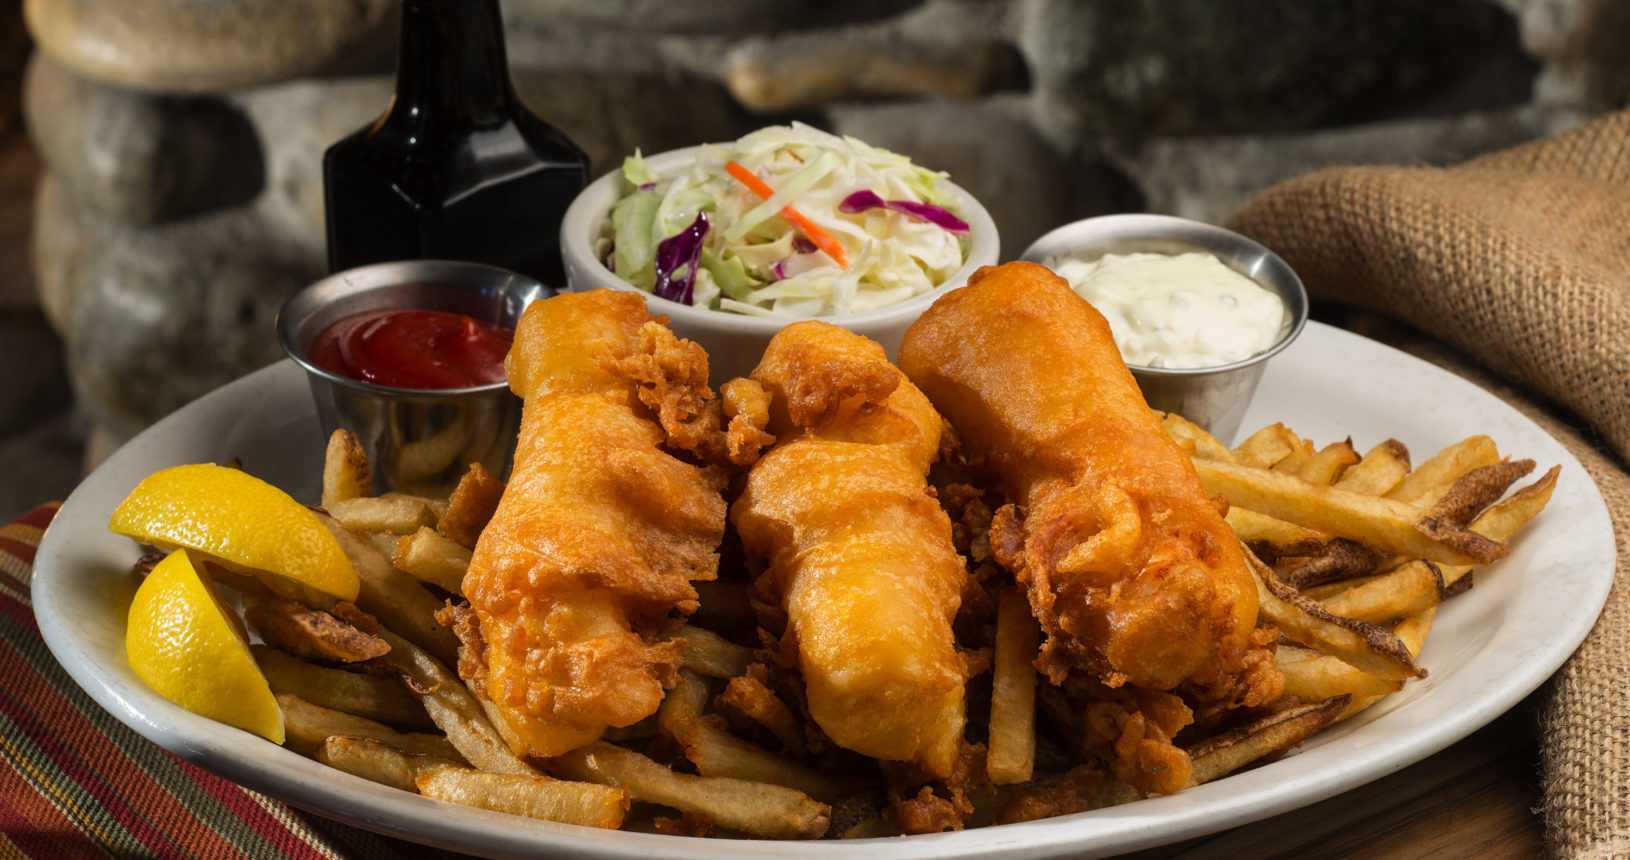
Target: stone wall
182, 138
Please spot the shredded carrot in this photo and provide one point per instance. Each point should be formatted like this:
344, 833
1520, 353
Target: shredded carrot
822, 239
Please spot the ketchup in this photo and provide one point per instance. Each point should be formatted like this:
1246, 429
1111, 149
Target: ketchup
413, 349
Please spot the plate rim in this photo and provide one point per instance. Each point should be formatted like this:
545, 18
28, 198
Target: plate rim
276, 771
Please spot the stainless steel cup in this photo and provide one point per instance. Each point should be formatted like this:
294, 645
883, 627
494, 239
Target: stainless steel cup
417, 441
1213, 397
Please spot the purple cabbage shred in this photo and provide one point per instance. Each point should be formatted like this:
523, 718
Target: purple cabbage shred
682, 250
860, 201
800, 245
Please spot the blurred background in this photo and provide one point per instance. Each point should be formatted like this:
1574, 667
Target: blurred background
160, 160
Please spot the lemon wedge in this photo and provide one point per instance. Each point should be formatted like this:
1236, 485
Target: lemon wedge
186, 644
240, 521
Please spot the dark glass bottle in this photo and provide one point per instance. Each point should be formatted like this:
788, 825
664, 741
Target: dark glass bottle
457, 168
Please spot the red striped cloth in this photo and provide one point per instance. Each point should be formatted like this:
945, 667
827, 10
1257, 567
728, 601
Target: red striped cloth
75, 782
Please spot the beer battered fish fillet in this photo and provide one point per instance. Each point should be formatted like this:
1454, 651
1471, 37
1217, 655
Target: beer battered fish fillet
1133, 573
601, 529
858, 552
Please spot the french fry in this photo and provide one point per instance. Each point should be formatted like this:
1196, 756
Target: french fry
708, 653
438, 504
1274, 538
754, 700
377, 761
453, 707
1381, 468
1011, 751
370, 696
1412, 632
1195, 439
1379, 522
1290, 652
1266, 447
1081, 788
495, 718
345, 469
1301, 619
383, 542
399, 601
431, 455
1331, 461
429, 557
1503, 519
1499, 522
1339, 559
489, 442
461, 618
757, 808
533, 796
1320, 676
1301, 453
1230, 751
306, 726
1187, 444
1479, 488
683, 705
471, 506
1403, 591
717, 753
392, 514
307, 632
1433, 478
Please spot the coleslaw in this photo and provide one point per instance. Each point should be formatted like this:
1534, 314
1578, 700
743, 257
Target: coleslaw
787, 221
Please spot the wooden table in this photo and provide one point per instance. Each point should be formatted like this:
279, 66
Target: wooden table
1476, 799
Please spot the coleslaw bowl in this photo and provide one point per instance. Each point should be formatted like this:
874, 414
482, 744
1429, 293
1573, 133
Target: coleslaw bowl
735, 342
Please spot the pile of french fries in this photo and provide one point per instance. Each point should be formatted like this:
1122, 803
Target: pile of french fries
1352, 555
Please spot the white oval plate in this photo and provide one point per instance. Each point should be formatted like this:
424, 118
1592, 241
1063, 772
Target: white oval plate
1490, 647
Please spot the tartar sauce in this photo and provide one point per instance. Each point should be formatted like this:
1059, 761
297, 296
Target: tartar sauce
1182, 310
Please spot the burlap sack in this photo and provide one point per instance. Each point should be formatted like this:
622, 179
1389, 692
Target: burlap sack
1521, 260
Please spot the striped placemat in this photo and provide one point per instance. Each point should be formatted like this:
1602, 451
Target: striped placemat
75, 782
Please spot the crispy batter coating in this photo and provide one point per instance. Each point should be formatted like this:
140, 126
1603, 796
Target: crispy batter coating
601, 529
858, 552
1132, 572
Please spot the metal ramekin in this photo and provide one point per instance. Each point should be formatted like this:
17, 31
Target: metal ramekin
1213, 397
417, 441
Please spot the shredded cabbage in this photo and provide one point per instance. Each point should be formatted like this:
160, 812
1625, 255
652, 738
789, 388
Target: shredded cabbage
751, 261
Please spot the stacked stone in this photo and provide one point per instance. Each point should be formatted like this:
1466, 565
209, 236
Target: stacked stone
181, 201
183, 138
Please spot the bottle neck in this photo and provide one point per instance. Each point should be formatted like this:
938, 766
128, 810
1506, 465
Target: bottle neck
451, 65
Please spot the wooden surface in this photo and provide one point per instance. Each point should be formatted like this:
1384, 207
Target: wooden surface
1475, 799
